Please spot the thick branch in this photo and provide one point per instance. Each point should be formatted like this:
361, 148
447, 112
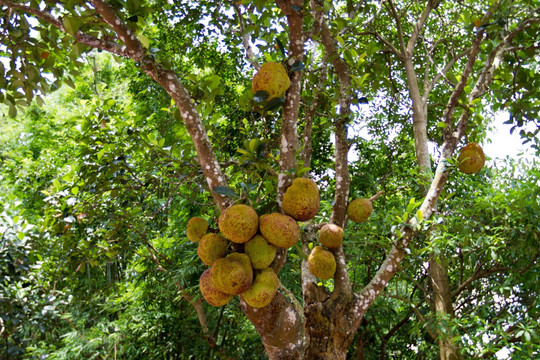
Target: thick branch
289, 138
170, 82
341, 276
419, 109
279, 324
494, 58
419, 105
310, 290
135, 49
166, 78
453, 100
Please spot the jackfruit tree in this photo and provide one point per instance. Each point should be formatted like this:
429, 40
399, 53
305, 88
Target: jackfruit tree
435, 66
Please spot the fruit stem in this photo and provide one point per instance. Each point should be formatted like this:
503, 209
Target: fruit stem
374, 197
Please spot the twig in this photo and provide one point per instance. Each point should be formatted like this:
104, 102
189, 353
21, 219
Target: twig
245, 37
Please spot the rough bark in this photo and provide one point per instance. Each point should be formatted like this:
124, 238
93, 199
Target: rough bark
280, 328
289, 133
442, 301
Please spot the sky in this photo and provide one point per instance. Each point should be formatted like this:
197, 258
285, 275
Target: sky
505, 144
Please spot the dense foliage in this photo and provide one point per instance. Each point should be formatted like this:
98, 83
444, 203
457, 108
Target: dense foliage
99, 176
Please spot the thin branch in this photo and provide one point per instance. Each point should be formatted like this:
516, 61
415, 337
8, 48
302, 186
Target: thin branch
421, 317
397, 18
428, 87
292, 298
245, 37
81, 37
488, 272
310, 114
420, 23
376, 196
195, 302
385, 41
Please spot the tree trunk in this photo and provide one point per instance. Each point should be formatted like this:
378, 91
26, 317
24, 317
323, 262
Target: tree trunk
329, 328
280, 328
442, 300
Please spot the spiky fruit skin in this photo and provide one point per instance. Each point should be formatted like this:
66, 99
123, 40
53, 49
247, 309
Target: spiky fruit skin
239, 223
322, 263
212, 295
301, 200
271, 78
212, 247
471, 158
229, 276
359, 210
263, 289
260, 252
196, 229
280, 230
246, 264
331, 236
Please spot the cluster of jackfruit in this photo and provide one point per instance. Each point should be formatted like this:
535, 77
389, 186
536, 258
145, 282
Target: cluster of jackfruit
247, 272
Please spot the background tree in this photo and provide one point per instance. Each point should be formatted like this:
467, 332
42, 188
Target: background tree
339, 55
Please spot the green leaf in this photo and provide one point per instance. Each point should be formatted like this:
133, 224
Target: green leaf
69, 83
411, 205
441, 124
144, 40
302, 170
405, 217
274, 104
419, 215
253, 144
281, 47
260, 96
12, 111
225, 191
298, 66
71, 24
56, 184
100, 154
363, 100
